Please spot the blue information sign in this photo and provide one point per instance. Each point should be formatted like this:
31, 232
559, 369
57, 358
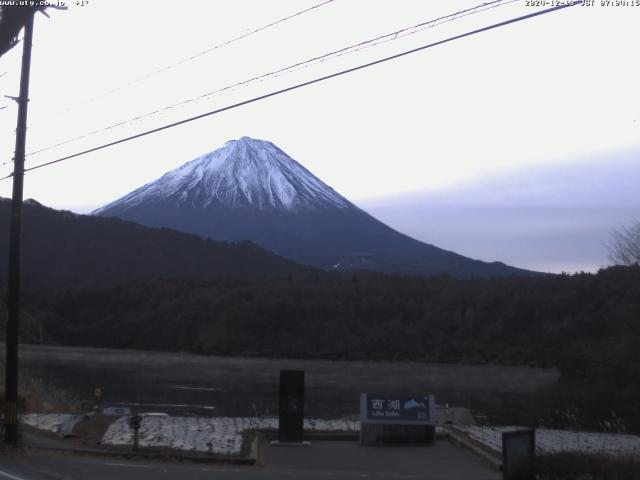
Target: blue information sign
397, 409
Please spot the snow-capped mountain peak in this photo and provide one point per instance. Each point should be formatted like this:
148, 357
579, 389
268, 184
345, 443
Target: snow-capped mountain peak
251, 190
242, 173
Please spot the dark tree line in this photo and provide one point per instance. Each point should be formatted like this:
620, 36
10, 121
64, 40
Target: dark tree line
545, 320
586, 324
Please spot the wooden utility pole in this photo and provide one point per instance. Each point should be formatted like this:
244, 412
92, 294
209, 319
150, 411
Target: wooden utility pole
13, 290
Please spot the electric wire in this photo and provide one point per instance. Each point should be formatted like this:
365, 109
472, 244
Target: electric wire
292, 68
307, 83
199, 54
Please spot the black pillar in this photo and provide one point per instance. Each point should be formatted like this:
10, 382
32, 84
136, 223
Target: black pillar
291, 406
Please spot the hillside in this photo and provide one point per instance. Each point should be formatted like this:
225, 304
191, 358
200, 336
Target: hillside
65, 249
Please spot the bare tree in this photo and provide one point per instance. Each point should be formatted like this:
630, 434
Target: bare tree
624, 247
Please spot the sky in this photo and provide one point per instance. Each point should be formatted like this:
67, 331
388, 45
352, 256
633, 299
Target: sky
520, 144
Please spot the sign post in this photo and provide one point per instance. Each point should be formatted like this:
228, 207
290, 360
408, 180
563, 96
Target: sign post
134, 423
97, 393
397, 419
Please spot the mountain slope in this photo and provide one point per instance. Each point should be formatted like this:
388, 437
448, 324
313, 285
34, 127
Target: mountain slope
251, 190
64, 249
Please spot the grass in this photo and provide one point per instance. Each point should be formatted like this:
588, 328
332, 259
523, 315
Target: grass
37, 395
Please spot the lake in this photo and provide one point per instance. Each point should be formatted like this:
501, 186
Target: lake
188, 384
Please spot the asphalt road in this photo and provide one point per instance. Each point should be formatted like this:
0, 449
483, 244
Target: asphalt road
323, 460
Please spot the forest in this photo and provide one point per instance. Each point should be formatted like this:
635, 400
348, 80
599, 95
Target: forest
588, 325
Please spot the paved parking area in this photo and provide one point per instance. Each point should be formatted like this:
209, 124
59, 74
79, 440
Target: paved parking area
322, 460
349, 460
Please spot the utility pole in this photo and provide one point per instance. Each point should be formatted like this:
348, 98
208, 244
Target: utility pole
13, 290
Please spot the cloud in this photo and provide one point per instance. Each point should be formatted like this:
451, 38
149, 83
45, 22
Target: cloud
550, 218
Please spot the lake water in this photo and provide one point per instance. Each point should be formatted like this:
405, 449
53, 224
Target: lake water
235, 386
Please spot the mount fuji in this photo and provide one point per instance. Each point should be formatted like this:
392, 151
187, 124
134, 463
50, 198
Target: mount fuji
251, 190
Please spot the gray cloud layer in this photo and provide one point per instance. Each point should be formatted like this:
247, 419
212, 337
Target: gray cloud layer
551, 218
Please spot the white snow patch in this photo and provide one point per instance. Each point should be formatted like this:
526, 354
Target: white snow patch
220, 435
196, 434
60, 423
309, 425
555, 441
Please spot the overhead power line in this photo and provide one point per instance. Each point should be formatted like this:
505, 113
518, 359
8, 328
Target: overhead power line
202, 53
294, 67
307, 83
